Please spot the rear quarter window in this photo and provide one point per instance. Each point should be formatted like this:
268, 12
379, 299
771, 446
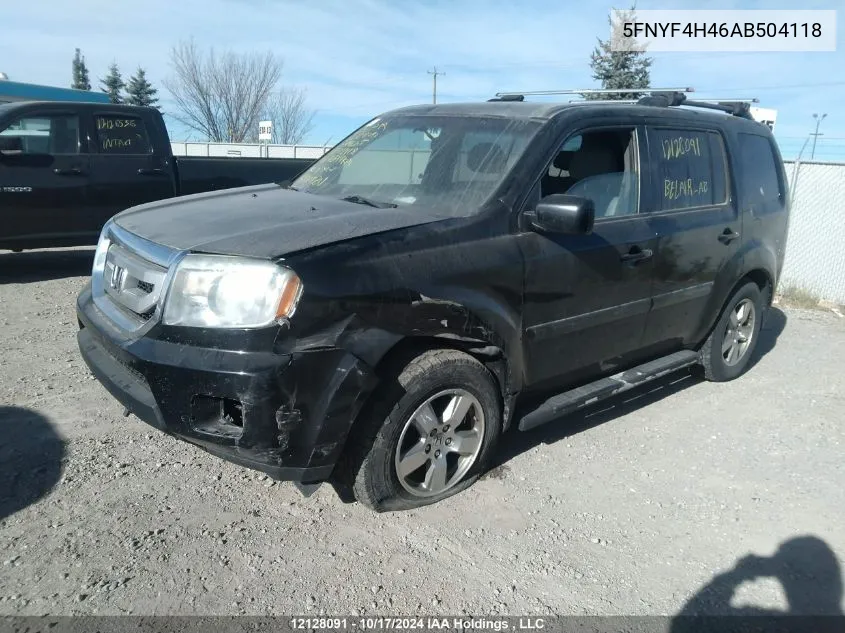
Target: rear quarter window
761, 185
689, 168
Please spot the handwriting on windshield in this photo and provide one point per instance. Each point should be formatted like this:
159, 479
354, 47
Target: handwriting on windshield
337, 158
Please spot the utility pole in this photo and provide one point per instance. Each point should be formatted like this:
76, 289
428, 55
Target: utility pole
434, 74
816, 134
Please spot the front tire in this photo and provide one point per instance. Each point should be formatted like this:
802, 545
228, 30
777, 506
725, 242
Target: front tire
426, 435
730, 346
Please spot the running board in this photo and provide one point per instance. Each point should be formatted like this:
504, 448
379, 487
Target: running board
569, 401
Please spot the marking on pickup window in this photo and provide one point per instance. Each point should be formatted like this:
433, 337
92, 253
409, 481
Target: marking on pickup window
16, 189
109, 143
110, 124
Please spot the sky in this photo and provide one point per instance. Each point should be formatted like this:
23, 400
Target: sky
357, 58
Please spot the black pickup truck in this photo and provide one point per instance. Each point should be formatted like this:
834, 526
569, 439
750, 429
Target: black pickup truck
66, 168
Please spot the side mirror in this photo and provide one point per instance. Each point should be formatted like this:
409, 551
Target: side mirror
11, 145
562, 213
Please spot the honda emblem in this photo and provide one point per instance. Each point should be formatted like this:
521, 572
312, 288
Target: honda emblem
117, 275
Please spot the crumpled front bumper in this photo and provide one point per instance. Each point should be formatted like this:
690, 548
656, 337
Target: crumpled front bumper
287, 415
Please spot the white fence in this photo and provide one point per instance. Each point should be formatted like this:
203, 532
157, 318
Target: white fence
814, 251
247, 150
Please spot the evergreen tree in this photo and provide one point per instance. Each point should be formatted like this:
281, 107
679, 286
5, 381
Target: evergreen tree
139, 91
80, 73
626, 67
113, 84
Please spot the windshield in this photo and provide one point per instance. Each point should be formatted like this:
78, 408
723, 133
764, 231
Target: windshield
454, 163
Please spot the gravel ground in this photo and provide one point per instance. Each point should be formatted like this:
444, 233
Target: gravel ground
631, 508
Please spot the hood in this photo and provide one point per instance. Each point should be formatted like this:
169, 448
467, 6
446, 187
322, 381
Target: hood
265, 221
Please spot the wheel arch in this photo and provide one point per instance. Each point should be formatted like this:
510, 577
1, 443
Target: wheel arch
492, 357
761, 277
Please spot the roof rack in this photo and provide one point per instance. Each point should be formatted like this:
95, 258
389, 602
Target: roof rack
657, 97
595, 101
740, 108
514, 96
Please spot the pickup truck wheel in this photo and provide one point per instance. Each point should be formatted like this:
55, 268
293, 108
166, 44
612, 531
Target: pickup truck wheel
730, 346
442, 422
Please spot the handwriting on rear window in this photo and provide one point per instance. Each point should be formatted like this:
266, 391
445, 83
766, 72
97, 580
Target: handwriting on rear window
109, 143
681, 146
121, 135
111, 124
675, 189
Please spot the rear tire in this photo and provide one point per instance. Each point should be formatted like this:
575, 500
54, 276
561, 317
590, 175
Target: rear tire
728, 350
426, 435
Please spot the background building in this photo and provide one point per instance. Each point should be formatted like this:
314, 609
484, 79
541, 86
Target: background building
11, 91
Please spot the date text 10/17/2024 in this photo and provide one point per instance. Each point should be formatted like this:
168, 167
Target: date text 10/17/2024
416, 623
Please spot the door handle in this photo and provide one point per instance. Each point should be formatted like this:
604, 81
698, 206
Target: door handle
637, 255
728, 236
70, 171
150, 172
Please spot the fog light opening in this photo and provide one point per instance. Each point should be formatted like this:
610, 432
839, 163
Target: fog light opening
217, 416
232, 412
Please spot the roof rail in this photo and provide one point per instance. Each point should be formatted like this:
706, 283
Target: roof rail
657, 97
587, 91
595, 101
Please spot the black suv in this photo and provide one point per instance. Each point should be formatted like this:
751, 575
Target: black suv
444, 273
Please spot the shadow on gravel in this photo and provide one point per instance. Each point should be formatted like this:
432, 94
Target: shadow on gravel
44, 265
520, 442
30, 458
809, 573
773, 327
607, 410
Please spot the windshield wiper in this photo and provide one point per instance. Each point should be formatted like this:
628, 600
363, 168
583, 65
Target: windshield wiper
372, 203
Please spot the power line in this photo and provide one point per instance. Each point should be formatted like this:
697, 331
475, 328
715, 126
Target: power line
434, 74
816, 134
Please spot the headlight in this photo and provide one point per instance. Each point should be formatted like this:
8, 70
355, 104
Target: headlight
100, 254
218, 291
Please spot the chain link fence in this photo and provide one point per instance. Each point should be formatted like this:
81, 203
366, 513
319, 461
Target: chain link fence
815, 260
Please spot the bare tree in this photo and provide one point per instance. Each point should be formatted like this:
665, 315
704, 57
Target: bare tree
292, 118
221, 96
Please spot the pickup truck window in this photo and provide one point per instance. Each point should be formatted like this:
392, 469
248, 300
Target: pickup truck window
42, 134
122, 135
451, 162
690, 168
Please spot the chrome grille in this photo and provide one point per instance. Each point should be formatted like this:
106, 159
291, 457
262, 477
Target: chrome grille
130, 278
131, 282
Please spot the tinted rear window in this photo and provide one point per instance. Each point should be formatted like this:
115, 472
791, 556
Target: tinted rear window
690, 168
760, 186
